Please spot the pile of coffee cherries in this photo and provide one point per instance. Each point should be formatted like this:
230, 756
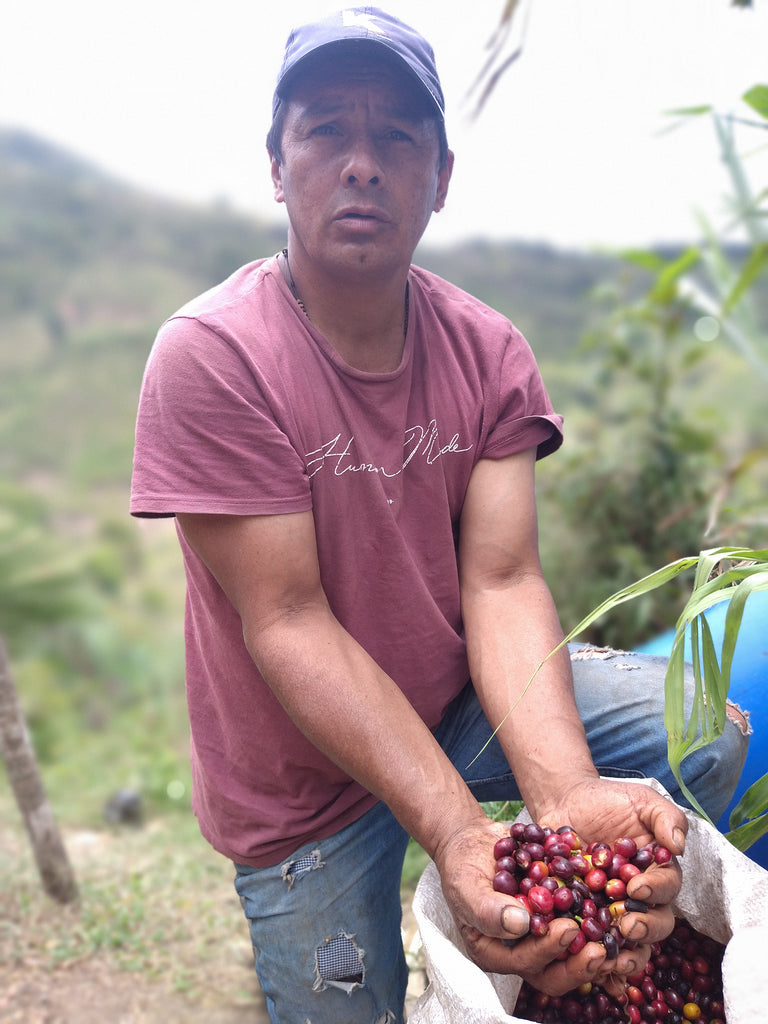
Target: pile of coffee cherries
682, 983
554, 875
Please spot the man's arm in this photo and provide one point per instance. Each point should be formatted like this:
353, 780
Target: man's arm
511, 625
329, 686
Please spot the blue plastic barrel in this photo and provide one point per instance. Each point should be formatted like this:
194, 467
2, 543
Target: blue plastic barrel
748, 689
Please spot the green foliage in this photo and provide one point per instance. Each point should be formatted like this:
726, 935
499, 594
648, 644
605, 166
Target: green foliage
728, 288
545, 292
712, 676
659, 469
721, 574
748, 821
39, 579
757, 98
636, 490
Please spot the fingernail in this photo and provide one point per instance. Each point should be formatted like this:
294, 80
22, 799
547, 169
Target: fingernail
638, 932
642, 892
630, 968
567, 937
679, 836
595, 963
514, 920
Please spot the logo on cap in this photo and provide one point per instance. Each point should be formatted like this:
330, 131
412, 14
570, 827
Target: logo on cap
354, 18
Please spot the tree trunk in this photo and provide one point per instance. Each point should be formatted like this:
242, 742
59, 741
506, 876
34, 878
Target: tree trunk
16, 749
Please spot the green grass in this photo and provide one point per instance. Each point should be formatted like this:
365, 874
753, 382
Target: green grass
155, 900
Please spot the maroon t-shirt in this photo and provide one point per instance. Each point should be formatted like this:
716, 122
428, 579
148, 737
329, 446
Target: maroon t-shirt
246, 409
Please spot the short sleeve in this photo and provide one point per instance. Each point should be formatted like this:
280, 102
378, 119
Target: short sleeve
525, 417
207, 439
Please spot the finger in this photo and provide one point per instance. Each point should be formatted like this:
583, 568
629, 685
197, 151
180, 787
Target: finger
563, 976
628, 962
670, 827
498, 917
534, 954
667, 821
645, 929
527, 957
660, 883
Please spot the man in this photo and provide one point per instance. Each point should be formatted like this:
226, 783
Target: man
348, 445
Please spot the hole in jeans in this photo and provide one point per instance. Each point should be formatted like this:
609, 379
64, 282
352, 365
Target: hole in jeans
739, 717
339, 963
293, 869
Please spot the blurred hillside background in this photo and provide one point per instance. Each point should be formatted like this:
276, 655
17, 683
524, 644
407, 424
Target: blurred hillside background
657, 356
658, 359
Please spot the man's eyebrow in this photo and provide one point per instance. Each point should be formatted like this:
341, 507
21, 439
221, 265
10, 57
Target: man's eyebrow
328, 108
322, 107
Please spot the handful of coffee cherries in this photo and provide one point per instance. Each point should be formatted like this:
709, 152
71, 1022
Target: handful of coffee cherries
554, 875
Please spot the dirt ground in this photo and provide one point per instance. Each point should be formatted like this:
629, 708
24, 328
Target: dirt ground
93, 992
157, 936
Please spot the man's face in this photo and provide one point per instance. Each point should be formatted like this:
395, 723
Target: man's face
360, 172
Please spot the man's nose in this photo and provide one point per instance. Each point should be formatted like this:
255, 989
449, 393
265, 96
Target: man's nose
361, 165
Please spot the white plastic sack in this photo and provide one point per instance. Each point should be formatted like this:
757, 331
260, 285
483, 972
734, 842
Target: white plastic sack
724, 895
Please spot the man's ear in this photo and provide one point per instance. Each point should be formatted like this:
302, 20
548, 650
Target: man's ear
443, 181
277, 177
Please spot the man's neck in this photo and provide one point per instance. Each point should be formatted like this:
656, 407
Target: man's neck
364, 321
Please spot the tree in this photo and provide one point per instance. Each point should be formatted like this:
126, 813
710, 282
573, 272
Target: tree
37, 588
16, 747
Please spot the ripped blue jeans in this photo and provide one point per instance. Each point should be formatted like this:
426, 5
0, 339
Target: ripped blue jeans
325, 924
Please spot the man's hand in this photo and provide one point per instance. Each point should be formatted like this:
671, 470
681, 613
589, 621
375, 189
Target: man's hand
489, 922
606, 809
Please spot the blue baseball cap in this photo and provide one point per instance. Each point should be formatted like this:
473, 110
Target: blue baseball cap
370, 25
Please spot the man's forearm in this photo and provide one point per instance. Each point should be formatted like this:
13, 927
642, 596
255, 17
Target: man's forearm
511, 629
356, 715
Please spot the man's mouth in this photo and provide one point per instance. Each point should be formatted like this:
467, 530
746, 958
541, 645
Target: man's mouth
362, 215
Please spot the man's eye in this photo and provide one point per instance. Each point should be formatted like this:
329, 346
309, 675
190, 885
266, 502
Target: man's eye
396, 135
324, 129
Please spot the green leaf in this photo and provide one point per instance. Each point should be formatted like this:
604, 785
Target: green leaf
745, 835
757, 98
664, 289
647, 583
711, 678
642, 258
733, 617
756, 263
704, 108
753, 803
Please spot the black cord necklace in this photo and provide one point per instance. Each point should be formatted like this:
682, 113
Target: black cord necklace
303, 308
292, 285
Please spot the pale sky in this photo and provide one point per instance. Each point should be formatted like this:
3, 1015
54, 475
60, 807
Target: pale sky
174, 96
